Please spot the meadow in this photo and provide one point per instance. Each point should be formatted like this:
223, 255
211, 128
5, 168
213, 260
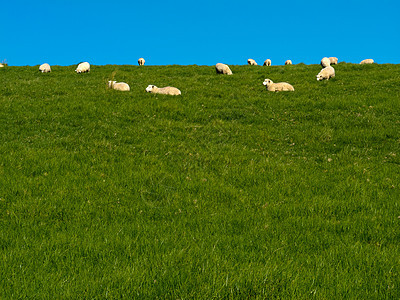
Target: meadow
225, 192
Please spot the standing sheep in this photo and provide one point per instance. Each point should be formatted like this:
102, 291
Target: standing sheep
83, 67
333, 60
168, 90
251, 62
288, 62
325, 62
267, 62
119, 86
45, 68
223, 69
141, 61
367, 61
278, 87
326, 73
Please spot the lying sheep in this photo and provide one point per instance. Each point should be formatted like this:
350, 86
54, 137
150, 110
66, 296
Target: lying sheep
367, 61
333, 60
141, 61
223, 69
169, 90
267, 62
277, 87
45, 68
119, 86
251, 62
83, 67
325, 62
288, 62
326, 73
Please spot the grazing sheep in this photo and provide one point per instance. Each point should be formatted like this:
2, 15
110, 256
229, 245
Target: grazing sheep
141, 61
325, 62
277, 87
367, 61
251, 62
45, 68
83, 67
267, 62
168, 90
288, 62
223, 69
326, 73
333, 60
119, 86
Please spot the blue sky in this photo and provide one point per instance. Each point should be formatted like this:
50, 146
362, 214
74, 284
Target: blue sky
198, 32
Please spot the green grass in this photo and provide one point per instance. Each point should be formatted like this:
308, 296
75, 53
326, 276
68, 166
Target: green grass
228, 191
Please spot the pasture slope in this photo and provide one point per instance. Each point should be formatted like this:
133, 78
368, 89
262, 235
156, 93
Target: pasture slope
228, 191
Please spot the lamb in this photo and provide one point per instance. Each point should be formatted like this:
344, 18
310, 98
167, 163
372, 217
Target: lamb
83, 67
267, 62
333, 60
326, 73
277, 87
325, 62
288, 62
45, 68
367, 61
223, 69
168, 90
141, 61
251, 62
119, 86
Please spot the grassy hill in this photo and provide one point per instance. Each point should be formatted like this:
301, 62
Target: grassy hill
228, 191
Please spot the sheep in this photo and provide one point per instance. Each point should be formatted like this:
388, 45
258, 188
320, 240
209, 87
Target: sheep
288, 62
45, 68
367, 61
326, 73
333, 60
83, 67
1, 66
251, 62
223, 69
141, 61
277, 87
267, 62
119, 86
325, 62
168, 90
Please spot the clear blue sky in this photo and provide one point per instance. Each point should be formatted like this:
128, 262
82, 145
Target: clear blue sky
198, 32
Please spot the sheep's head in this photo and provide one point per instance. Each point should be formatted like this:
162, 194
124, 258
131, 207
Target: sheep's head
111, 83
267, 82
150, 88
319, 77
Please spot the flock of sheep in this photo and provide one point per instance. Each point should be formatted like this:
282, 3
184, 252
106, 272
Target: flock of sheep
325, 74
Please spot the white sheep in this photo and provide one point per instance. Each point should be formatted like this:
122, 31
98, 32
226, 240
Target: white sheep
1, 66
168, 90
119, 86
83, 67
267, 62
325, 62
45, 68
326, 73
251, 62
367, 61
288, 62
141, 61
223, 69
278, 87
333, 60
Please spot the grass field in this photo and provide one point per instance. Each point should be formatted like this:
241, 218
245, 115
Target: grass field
228, 191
